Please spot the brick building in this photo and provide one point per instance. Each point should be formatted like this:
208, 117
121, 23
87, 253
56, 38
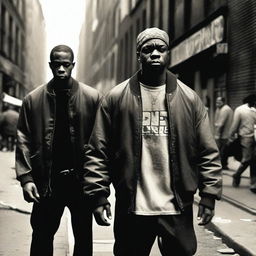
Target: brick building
212, 44
22, 46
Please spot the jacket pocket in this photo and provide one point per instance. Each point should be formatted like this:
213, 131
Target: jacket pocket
35, 159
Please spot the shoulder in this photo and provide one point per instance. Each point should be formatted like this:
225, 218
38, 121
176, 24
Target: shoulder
88, 89
240, 109
118, 89
227, 109
116, 92
187, 92
35, 93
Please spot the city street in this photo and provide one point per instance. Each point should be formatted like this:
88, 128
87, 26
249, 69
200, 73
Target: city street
157, 72
15, 229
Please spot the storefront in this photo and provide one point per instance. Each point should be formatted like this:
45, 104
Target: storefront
200, 61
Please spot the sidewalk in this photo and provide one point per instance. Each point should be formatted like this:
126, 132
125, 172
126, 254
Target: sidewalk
15, 231
236, 225
235, 214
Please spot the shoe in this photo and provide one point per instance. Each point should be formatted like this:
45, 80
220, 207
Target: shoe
236, 181
253, 190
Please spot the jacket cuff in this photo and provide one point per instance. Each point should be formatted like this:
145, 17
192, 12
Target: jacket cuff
99, 201
25, 179
209, 202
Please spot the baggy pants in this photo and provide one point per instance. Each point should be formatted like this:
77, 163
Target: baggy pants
135, 234
46, 216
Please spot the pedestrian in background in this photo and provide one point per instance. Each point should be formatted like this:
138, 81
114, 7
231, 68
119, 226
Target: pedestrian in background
243, 126
8, 127
152, 140
222, 124
55, 122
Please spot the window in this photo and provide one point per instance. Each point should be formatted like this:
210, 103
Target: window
3, 27
161, 16
152, 13
10, 38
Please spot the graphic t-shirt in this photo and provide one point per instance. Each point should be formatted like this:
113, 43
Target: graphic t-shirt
154, 194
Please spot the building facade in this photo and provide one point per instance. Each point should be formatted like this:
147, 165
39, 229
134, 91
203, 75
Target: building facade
22, 37
35, 46
212, 44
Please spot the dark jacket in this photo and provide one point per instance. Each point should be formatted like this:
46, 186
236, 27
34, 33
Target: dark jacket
36, 127
9, 122
114, 150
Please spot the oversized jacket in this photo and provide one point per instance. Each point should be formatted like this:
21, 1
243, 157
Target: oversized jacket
36, 127
113, 154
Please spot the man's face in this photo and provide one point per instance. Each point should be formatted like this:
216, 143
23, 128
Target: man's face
219, 103
154, 54
61, 65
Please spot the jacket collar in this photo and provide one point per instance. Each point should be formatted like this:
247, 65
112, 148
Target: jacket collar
50, 88
171, 82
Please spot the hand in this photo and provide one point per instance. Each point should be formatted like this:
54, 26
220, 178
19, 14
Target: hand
205, 214
229, 142
30, 192
99, 215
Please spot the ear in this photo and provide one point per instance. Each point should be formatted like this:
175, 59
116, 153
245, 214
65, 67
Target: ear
73, 64
138, 56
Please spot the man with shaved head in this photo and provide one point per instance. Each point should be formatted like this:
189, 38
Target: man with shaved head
152, 140
55, 122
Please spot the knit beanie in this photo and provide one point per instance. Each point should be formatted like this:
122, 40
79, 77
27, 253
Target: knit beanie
151, 33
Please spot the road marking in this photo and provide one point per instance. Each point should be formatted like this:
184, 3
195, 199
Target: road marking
103, 241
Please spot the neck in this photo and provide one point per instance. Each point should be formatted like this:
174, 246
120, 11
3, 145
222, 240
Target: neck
153, 78
63, 84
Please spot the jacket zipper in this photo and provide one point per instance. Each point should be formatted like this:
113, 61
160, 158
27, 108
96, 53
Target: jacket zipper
180, 204
71, 132
49, 189
138, 157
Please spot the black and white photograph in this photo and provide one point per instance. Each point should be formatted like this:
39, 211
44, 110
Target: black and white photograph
127, 127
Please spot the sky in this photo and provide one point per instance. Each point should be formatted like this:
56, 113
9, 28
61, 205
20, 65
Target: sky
63, 19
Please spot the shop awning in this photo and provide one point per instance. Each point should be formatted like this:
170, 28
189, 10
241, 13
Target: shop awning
11, 100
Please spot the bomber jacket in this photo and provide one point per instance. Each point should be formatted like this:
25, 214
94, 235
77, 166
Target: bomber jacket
36, 128
113, 154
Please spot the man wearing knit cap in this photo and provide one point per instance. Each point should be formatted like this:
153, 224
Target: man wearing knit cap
152, 140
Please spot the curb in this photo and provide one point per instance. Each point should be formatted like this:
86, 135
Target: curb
239, 248
13, 208
239, 205
4, 206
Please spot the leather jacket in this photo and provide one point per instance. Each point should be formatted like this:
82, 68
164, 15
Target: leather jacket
113, 154
36, 128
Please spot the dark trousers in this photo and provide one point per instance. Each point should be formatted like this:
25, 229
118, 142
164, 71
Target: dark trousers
135, 235
8, 142
248, 148
46, 216
221, 143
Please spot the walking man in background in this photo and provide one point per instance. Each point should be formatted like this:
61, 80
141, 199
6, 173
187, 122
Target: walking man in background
243, 127
8, 127
153, 141
55, 122
222, 123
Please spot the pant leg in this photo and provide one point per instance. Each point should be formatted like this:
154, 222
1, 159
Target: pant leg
253, 170
81, 219
134, 235
177, 235
45, 221
247, 145
224, 154
12, 142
